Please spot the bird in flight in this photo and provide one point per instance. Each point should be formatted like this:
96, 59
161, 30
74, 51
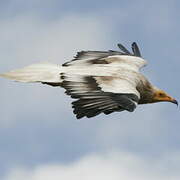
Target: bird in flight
100, 81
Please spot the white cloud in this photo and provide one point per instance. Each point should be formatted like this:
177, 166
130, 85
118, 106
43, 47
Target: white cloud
112, 166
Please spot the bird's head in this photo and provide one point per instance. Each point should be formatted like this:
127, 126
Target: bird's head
161, 96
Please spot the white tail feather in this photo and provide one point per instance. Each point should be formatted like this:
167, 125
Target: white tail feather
42, 72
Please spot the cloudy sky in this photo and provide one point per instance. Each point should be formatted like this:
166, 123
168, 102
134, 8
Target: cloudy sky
40, 138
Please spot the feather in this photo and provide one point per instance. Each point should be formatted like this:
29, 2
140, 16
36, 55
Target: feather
92, 99
136, 50
42, 72
124, 49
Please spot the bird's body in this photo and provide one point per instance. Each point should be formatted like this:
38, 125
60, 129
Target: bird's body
101, 81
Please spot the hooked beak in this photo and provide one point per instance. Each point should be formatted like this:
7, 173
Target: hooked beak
174, 101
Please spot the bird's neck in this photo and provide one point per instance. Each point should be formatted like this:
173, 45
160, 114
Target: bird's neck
147, 91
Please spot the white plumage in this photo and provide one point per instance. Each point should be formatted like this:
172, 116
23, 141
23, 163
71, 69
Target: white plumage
41, 72
102, 81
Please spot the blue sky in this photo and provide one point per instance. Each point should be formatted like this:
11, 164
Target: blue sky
40, 137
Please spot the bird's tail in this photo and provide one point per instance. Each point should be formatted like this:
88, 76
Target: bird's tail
41, 72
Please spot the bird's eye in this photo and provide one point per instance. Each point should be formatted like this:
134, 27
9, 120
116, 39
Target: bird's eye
161, 94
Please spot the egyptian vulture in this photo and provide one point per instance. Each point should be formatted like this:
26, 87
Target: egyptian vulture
100, 81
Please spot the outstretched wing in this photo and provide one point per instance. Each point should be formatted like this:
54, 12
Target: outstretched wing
97, 95
124, 58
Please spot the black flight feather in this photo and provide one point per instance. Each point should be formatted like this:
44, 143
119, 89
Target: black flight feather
136, 50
